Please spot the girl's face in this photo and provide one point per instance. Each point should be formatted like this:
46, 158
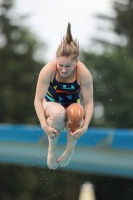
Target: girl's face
65, 66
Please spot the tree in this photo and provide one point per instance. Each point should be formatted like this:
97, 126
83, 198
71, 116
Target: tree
112, 89
112, 72
19, 69
121, 26
124, 20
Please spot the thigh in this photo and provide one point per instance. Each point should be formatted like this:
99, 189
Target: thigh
52, 108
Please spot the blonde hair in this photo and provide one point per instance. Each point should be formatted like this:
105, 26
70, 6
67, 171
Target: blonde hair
68, 46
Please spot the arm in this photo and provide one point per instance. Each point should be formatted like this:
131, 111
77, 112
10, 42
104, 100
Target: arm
86, 84
87, 93
44, 79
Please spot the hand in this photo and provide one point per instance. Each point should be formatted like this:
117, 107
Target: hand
51, 132
78, 133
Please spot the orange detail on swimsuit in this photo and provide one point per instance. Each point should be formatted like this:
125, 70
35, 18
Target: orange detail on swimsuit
60, 91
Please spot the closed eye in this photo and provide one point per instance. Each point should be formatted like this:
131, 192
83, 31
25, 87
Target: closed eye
68, 65
60, 65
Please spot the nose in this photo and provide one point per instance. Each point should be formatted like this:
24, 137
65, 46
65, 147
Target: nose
63, 69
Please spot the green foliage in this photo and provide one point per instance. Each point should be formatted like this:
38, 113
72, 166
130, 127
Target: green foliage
112, 72
121, 26
19, 70
124, 21
112, 76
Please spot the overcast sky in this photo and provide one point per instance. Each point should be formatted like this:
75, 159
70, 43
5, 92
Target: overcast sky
49, 18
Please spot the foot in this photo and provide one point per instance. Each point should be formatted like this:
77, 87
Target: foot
52, 160
65, 159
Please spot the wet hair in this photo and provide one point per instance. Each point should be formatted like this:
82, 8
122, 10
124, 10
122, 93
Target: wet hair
69, 47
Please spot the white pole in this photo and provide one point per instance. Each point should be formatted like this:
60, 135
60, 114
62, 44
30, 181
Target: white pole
87, 192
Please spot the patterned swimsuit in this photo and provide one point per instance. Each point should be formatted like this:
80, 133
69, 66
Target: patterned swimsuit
63, 93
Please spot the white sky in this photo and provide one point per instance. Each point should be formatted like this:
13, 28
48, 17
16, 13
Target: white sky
49, 18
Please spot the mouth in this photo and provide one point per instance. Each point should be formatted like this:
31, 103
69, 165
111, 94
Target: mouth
63, 74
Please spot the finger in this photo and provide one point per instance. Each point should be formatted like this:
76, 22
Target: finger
56, 132
73, 133
53, 135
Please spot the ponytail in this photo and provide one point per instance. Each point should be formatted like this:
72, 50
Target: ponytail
68, 46
69, 37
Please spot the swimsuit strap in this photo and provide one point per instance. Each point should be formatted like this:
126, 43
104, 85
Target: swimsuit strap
76, 73
55, 72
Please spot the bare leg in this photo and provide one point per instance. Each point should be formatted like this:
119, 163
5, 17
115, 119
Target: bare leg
55, 114
66, 157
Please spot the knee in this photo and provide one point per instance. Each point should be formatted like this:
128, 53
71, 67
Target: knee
75, 114
59, 114
75, 111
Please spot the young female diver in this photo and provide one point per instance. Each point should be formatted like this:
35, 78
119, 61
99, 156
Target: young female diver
57, 100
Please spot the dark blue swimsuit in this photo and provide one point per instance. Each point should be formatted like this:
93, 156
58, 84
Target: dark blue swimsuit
63, 93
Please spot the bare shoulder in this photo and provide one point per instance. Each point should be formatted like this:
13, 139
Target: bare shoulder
48, 70
83, 73
49, 67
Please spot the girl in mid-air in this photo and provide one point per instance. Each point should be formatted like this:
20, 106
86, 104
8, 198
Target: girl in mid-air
64, 99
